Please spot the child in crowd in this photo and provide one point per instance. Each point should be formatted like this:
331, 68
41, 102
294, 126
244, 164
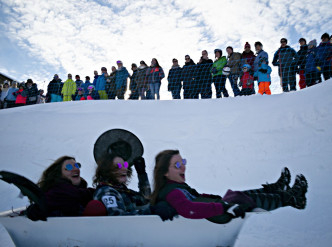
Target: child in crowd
80, 94
93, 94
264, 76
21, 95
41, 97
247, 81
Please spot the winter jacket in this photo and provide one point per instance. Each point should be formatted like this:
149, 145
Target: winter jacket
247, 80
302, 54
311, 61
55, 87
261, 54
155, 75
69, 88
263, 73
285, 57
141, 77
94, 95
32, 93
203, 71
21, 96
85, 87
66, 199
218, 65
133, 81
121, 78
110, 82
234, 62
119, 200
101, 82
324, 55
248, 58
11, 96
188, 74
174, 77
95, 80
78, 83
4, 94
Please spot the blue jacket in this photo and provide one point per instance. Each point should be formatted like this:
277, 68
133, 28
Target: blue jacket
10, 96
263, 76
85, 87
95, 80
285, 57
259, 56
101, 82
324, 54
311, 61
121, 77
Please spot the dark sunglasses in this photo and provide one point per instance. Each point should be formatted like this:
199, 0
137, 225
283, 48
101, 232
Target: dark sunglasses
125, 165
178, 164
283, 41
70, 167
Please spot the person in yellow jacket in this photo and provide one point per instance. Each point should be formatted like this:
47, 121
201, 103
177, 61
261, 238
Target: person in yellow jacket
68, 89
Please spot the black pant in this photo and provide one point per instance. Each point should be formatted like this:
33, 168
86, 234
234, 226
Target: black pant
267, 201
219, 83
288, 78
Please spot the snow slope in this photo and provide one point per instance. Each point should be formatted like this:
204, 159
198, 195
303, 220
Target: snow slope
236, 143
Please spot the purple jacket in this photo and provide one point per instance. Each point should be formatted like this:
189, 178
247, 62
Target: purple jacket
65, 199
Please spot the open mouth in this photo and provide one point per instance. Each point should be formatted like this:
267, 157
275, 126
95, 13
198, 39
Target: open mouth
182, 175
75, 175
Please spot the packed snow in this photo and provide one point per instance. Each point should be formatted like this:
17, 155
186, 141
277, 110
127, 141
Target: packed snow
237, 143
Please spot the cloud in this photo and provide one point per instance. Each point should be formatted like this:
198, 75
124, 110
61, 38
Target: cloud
81, 36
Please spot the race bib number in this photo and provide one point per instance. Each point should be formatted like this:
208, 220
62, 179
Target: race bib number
109, 201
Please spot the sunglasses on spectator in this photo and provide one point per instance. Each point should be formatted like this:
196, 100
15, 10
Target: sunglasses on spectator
178, 164
125, 165
70, 167
283, 41
90, 87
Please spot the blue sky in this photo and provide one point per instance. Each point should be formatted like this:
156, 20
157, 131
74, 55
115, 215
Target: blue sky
40, 38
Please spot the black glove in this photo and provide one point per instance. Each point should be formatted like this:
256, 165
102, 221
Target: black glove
263, 70
237, 210
164, 210
139, 164
34, 213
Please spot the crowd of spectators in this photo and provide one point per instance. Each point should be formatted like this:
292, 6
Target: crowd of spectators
242, 70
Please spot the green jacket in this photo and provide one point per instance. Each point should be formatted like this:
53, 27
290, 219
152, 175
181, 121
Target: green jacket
218, 65
69, 88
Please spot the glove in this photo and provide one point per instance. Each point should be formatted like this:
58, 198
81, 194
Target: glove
318, 68
240, 84
263, 70
139, 164
34, 213
237, 210
164, 210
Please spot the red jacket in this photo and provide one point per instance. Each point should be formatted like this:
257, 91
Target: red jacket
21, 97
247, 79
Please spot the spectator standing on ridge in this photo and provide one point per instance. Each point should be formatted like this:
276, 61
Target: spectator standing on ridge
11, 97
21, 95
3, 95
101, 84
69, 89
263, 75
234, 62
41, 97
85, 86
95, 78
324, 56
122, 75
141, 80
187, 76
260, 54
248, 56
54, 89
174, 79
110, 84
247, 81
203, 77
133, 82
78, 81
312, 72
32, 92
154, 76
286, 59
218, 78
302, 53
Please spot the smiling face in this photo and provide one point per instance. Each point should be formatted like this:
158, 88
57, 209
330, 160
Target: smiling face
121, 173
176, 174
73, 175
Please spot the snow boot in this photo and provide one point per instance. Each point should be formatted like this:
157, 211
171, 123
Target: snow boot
281, 184
295, 196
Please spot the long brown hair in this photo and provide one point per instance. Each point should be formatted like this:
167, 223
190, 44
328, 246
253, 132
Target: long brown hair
163, 160
106, 171
53, 174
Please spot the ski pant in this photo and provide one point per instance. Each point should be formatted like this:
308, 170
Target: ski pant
103, 94
220, 85
56, 98
233, 81
67, 98
175, 90
302, 83
267, 201
264, 87
247, 91
312, 78
288, 79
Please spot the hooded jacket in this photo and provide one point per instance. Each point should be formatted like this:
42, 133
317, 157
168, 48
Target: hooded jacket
218, 65
69, 88
285, 57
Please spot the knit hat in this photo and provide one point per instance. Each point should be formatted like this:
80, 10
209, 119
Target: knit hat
29, 81
313, 43
247, 45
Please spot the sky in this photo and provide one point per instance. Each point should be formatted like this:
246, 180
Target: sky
40, 38
234, 143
